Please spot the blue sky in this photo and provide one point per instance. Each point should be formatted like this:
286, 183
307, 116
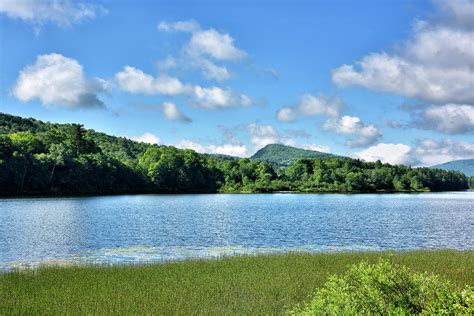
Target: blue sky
389, 80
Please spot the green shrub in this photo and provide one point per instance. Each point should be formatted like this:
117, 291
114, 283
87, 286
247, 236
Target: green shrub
387, 289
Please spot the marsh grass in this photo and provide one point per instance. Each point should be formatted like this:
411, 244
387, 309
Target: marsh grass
262, 284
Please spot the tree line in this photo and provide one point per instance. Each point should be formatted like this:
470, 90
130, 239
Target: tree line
66, 159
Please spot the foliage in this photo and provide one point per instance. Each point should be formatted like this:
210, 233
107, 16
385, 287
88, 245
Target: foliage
388, 289
241, 285
281, 155
351, 175
45, 158
465, 166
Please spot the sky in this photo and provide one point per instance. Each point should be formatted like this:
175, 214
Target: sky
388, 80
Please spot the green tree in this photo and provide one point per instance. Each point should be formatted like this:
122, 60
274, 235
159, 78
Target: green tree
26, 145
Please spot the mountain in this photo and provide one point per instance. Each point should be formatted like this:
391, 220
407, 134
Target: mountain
465, 166
283, 155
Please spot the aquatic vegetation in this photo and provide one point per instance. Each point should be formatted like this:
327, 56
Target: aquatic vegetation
262, 284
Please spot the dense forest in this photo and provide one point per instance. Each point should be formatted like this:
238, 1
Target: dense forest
66, 159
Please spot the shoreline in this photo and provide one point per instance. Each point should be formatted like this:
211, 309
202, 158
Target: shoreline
78, 263
261, 284
26, 196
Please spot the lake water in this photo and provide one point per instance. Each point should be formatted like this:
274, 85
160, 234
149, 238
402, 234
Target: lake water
144, 228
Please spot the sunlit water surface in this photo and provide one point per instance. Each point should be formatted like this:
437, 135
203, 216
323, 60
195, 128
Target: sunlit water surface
150, 228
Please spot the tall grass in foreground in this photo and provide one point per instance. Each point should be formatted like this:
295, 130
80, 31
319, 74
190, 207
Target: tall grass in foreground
263, 284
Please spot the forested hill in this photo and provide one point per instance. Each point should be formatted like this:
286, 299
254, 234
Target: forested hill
38, 158
282, 155
465, 166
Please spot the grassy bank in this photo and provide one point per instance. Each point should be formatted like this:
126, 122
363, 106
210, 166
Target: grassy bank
265, 284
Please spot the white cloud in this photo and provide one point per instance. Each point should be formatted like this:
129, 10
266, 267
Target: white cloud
261, 135
237, 150
211, 70
58, 80
310, 105
180, 26
457, 13
214, 44
436, 65
61, 12
367, 134
148, 138
172, 112
206, 46
431, 152
388, 153
316, 147
216, 98
449, 118
427, 152
286, 114
134, 80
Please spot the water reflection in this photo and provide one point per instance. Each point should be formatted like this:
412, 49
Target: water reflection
146, 228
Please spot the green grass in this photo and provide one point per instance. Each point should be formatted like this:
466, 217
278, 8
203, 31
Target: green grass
263, 284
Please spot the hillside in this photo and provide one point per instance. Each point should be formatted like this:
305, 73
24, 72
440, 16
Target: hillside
39, 158
465, 166
283, 155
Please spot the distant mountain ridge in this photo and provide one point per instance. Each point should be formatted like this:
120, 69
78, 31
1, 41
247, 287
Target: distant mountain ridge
283, 155
465, 166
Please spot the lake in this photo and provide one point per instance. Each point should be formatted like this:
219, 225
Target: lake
149, 228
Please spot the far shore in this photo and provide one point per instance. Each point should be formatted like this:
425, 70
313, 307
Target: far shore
220, 193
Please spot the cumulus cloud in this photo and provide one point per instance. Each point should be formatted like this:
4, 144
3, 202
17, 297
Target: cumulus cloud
286, 114
134, 80
429, 83
237, 150
205, 47
426, 152
431, 152
211, 70
310, 105
366, 134
59, 81
434, 69
457, 13
394, 154
449, 118
148, 138
261, 135
436, 65
218, 98
214, 44
61, 12
172, 113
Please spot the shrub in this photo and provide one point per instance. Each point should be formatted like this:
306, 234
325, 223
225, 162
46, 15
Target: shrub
387, 289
